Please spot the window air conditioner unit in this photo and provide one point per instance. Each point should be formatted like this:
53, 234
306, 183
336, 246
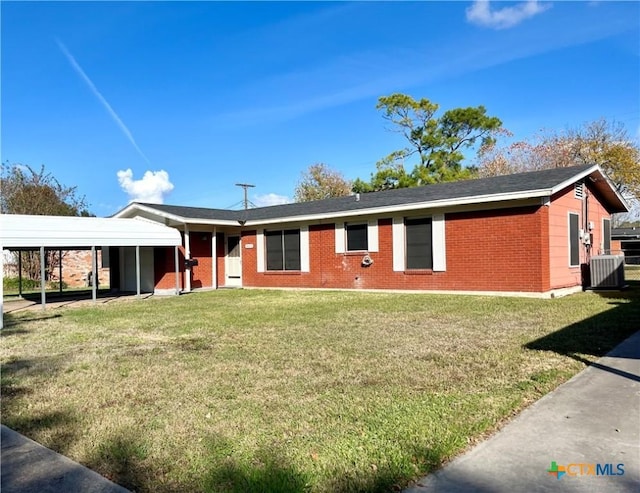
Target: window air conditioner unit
607, 272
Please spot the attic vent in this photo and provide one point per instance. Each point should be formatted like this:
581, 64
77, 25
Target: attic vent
578, 190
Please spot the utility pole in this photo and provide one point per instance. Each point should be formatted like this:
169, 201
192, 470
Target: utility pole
245, 186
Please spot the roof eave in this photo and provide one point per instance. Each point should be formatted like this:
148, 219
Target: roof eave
621, 206
172, 217
432, 204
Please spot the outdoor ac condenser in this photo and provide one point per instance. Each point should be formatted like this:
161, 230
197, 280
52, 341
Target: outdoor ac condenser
607, 271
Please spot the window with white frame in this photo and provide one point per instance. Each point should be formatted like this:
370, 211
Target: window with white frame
419, 246
283, 249
357, 237
419, 243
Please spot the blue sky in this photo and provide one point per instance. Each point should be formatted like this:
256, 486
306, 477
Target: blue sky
180, 101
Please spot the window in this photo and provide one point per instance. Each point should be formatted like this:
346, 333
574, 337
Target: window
606, 236
357, 237
283, 249
418, 243
574, 239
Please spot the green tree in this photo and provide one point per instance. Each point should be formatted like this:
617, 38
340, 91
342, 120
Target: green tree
26, 191
318, 182
437, 144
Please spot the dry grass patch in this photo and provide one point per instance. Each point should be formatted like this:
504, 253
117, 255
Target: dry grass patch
291, 391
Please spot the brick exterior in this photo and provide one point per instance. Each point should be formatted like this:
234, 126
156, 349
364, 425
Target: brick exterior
518, 249
165, 270
501, 250
76, 269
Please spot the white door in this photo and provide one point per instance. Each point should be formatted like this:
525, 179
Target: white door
233, 263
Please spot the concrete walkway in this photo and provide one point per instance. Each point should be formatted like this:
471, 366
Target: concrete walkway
28, 467
594, 418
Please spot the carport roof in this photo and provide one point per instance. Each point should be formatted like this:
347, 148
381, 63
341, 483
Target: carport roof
25, 231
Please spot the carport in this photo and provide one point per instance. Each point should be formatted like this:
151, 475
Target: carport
44, 233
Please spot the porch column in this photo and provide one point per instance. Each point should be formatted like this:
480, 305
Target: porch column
177, 265
138, 271
187, 255
94, 275
214, 260
43, 295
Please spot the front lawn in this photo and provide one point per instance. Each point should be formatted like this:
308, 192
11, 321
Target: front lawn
252, 390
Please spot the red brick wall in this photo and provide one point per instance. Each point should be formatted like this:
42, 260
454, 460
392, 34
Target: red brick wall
76, 265
502, 250
164, 267
200, 245
220, 252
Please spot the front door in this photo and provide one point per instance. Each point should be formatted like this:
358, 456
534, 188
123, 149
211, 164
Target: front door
233, 263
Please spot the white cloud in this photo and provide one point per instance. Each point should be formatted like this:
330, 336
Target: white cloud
482, 14
152, 188
270, 199
76, 66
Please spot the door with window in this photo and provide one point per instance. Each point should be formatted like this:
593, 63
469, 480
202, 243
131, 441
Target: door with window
233, 262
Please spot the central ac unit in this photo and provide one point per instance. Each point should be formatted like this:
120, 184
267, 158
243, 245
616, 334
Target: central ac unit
607, 271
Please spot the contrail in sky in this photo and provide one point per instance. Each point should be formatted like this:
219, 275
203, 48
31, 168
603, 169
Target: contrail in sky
104, 102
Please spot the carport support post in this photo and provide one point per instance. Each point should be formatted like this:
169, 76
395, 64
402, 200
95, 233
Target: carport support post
1, 288
43, 295
20, 273
94, 275
176, 260
138, 271
60, 271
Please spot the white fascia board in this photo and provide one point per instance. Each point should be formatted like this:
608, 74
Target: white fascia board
210, 222
433, 204
621, 198
584, 174
575, 178
129, 212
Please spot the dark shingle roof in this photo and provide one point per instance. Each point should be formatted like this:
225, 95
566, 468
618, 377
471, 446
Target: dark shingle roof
195, 212
520, 182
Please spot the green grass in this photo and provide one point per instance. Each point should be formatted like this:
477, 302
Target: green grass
291, 390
